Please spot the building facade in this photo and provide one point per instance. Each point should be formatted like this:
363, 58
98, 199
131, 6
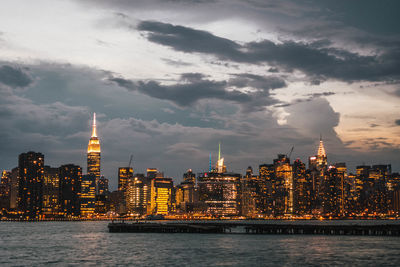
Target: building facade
30, 185
94, 153
70, 189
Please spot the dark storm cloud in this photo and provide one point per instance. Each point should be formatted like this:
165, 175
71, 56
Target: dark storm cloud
315, 59
14, 76
194, 87
186, 39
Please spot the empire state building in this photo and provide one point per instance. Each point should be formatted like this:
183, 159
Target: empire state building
93, 153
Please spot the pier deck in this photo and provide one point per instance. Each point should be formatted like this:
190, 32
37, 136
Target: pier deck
256, 228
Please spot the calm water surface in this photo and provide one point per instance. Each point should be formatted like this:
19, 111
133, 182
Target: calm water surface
90, 244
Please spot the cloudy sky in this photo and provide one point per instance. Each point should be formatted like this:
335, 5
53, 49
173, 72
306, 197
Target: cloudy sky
169, 79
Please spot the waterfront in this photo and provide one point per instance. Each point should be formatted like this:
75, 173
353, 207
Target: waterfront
89, 243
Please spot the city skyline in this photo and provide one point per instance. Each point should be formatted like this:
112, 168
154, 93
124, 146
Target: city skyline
93, 164
169, 80
280, 190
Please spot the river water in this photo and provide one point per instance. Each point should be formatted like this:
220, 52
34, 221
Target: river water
90, 244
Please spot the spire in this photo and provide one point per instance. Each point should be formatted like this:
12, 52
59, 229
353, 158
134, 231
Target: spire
321, 148
219, 150
210, 167
94, 131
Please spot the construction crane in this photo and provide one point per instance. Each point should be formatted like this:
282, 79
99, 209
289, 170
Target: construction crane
290, 153
130, 161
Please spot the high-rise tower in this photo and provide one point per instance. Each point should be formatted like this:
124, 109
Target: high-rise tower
321, 155
30, 193
221, 168
93, 153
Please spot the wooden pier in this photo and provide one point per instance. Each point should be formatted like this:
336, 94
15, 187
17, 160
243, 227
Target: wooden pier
256, 228
290, 229
142, 227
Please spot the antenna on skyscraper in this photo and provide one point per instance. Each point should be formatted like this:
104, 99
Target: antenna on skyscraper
210, 167
130, 161
290, 153
219, 150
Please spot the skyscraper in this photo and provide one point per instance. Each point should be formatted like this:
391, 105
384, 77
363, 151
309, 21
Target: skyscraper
88, 195
136, 194
189, 176
220, 167
321, 155
161, 196
103, 186
331, 187
302, 185
14, 187
5, 185
31, 170
102, 195
266, 189
284, 184
220, 192
93, 153
318, 167
51, 182
125, 174
70, 189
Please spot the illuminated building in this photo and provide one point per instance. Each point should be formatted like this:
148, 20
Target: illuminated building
332, 192
321, 156
373, 197
283, 185
189, 176
353, 199
6, 179
318, 166
51, 182
265, 189
251, 194
393, 190
136, 196
102, 186
302, 184
70, 189
88, 195
116, 200
220, 192
102, 196
30, 197
14, 187
161, 196
220, 167
5, 185
179, 198
394, 193
125, 174
152, 173
345, 187
379, 174
93, 153
185, 196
